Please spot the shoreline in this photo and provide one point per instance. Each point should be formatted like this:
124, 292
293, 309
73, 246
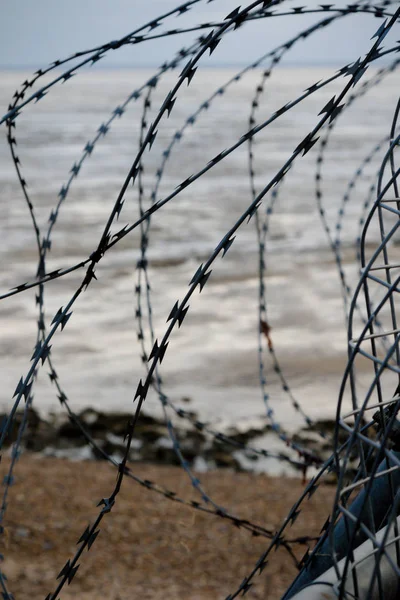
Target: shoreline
244, 447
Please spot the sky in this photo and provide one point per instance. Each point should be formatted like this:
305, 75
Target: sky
34, 33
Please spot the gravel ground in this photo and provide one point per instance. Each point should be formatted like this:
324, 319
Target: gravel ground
149, 547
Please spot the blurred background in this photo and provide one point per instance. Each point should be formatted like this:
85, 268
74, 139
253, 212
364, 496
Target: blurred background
212, 360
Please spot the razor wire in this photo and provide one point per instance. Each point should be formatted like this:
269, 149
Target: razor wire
42, 352
261, 239
275, 57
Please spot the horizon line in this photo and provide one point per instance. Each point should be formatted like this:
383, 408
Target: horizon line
335, 63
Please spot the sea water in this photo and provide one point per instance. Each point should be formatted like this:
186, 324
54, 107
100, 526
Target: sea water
212, 360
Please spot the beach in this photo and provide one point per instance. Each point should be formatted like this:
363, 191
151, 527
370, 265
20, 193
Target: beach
149, 546
213, 358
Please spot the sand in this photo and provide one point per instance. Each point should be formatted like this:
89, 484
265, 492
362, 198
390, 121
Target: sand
149, 547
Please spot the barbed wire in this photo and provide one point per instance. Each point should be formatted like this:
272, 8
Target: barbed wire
153, 350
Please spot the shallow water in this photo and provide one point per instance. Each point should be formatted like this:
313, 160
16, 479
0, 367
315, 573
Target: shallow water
212, 358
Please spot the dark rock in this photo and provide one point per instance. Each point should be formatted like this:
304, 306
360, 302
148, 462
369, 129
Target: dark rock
243, 435
166, 456
226, 460
37, 434
97, 423
61, 434
150, 433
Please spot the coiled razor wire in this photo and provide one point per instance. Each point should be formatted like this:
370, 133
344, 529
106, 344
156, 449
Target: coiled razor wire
355, 521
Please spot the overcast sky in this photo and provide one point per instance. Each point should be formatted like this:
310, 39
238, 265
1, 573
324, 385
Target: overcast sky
34, 33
